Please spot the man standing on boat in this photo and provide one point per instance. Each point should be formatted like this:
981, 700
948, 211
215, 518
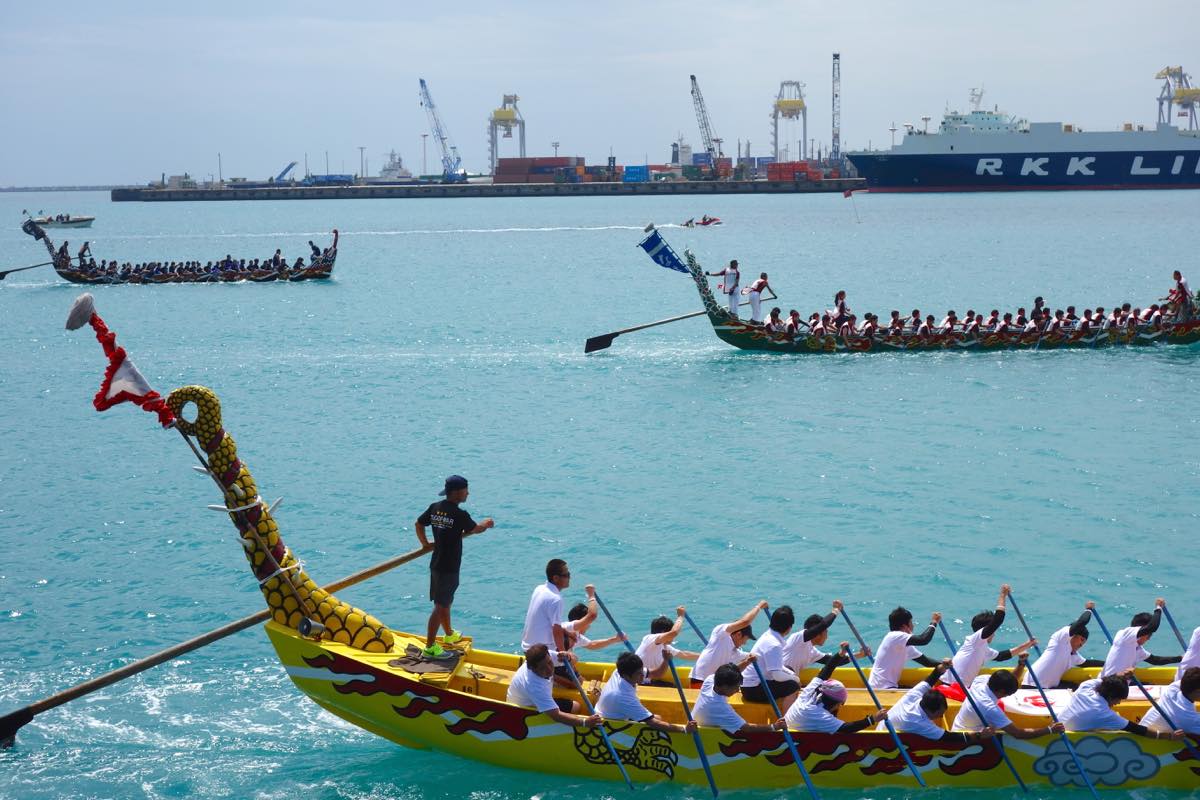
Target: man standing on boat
756, 289
450, 524
730, 287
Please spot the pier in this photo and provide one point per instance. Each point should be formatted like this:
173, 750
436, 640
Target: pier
488, 190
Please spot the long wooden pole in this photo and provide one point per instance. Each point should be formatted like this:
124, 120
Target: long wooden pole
14, 721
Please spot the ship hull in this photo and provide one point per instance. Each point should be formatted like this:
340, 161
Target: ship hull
1038, 171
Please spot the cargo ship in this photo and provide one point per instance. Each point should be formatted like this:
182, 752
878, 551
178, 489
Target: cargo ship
985, 150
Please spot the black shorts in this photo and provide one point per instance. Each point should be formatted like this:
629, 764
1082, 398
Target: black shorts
779, 689
442, 586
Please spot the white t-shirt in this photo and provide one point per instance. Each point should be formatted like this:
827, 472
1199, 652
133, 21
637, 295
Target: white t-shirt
1181, 711
1191, 656
970, 658
890, 657
1056, 659
769, 649
651, 653
531, 690
807, 713
798, 654
718, 652
545, 611
1125, 652
732, 278
1089, 711
619, 700
714, 710
907, 716
967, 720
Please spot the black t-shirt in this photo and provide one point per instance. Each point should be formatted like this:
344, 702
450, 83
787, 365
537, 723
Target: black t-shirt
449, 523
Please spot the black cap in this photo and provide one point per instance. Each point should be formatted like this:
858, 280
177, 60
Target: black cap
748, 631
453, 483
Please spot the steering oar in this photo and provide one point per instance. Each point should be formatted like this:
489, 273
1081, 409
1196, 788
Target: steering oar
12, 722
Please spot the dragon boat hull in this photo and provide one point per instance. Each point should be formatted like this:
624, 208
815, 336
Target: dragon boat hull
459, 714
747, 336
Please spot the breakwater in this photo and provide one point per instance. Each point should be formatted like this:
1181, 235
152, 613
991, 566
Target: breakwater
488, 190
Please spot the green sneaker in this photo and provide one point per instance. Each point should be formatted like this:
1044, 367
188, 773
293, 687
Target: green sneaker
452, 637
435, 651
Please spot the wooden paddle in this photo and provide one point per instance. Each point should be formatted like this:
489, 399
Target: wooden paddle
14, 721
886, 720
5, 273
978, 712
1066, 740
687, 713
605, 340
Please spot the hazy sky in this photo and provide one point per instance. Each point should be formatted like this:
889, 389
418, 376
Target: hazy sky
111, 92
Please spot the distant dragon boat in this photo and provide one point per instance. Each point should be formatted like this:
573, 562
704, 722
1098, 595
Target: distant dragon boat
354, 666
317, 268
748, 336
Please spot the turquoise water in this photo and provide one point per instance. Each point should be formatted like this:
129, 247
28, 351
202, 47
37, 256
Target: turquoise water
668, 469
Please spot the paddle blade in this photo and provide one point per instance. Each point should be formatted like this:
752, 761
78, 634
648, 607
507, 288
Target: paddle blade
11, 723
602, 342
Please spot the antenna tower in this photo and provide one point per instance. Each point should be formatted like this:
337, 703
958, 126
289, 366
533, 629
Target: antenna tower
835, 150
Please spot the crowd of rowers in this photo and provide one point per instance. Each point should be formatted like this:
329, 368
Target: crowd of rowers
227, 268
722, 670
1179, 305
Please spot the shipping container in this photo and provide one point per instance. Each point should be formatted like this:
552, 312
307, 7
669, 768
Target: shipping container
701, 159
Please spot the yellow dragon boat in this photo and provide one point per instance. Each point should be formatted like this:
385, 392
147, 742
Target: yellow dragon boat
354, 666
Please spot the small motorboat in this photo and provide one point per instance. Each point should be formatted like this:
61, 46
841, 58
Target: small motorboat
703, 222
63, 221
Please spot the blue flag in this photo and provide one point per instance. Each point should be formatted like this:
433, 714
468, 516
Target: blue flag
657, 248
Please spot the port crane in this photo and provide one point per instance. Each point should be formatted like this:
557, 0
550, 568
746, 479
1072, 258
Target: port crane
1177, 90
789, 105
282, 176
712, 143
452, 169
505, 118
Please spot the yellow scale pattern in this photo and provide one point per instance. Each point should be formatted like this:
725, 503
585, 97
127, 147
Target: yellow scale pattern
291, 595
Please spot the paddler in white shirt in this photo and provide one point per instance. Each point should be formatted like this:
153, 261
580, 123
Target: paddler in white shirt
1062, 653
921, 708
1091, 709
898, 646
1128, 647
756, 289
976, 649
782, 683
816, 709
731, 285
724, 646
619, 698
802, 648
1179, 701
657, 642
1191, 656
988, 691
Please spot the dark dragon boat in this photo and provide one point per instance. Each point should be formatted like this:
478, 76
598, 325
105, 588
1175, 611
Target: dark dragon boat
746, 335
318, 267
